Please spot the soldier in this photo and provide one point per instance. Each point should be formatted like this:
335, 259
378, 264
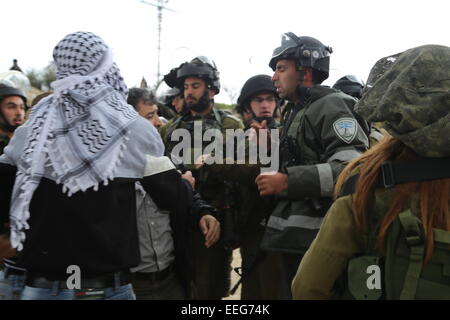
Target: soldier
199, 81
353, 86
388, 234
173, 98
12, 112
257, 102
350, 85
318, 135
164, 272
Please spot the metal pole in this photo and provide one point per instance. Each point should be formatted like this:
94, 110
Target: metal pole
159, 37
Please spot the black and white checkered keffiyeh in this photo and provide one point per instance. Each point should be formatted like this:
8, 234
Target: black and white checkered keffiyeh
79, 132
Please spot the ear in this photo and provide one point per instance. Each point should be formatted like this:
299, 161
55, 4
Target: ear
307, 77
212, 93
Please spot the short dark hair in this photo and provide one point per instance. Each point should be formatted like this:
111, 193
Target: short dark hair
137, 94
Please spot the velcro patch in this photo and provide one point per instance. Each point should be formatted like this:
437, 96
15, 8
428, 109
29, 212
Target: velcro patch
346, 129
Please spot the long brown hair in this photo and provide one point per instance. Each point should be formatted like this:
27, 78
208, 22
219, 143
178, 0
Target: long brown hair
433, 195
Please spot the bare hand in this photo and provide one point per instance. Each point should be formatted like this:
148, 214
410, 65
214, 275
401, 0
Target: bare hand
271, 183
210, 228
257, 127
200, 161
189, 178
6, 251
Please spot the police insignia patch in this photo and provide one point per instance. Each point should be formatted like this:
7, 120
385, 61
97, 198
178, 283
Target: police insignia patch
345, 129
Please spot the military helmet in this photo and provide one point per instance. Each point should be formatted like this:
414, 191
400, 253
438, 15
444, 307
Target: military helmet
350, 85
7, 91
171, 78
410, 93
166, 97
306, 51
254, 85
201, 67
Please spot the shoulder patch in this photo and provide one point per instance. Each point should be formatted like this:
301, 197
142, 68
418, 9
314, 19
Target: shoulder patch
346, 129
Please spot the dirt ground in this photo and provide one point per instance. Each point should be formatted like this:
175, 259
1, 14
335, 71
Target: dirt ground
234, 276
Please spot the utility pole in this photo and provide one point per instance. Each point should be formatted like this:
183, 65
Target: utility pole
160, 5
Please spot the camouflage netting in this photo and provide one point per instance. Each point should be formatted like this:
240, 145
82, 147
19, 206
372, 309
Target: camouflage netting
410, 94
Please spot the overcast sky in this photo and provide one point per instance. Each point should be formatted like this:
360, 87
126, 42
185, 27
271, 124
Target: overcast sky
238, 35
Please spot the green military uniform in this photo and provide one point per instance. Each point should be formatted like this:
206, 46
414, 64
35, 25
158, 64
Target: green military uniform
212, 266
256, 263
316, 141
322, 274
4, 140
166, 112
410, 95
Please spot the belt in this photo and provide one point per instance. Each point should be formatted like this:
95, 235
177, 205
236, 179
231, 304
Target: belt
11, 271
98, 282
153, 276
15, 272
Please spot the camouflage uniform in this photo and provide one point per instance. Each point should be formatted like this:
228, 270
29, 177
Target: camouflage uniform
166, 112
410, 94
212, 266
257, 264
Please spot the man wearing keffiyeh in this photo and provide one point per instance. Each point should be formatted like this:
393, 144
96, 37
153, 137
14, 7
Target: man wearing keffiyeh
67, 179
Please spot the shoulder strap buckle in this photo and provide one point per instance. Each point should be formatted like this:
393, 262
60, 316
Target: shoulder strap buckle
387, 174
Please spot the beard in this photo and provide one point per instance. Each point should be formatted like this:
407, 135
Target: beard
202, 104
6, 126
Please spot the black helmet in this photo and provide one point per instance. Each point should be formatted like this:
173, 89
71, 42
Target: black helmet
306, 51
201, 67
254, 85
171, 78
7, 91
167, 96
350, 85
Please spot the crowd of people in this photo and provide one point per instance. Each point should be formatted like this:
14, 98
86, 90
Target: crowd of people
102, 196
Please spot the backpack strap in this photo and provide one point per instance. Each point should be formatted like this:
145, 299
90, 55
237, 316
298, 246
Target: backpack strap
442, 236
411, 226
394, 173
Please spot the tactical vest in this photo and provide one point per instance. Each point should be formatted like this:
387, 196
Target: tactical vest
211, 187
212, 121
294, 224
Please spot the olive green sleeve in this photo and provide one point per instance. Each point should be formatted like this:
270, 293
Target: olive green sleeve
326, 259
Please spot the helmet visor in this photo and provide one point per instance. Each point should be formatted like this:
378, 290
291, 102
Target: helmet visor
206, 60
288, 41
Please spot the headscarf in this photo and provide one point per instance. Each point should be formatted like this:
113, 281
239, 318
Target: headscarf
79, 132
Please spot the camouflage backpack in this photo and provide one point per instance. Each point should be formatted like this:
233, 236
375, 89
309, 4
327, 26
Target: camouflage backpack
399, 271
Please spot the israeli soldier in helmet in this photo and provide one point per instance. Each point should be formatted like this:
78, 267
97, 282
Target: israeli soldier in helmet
319, 134
387, 235
199, 82
257, 103
12, 112
354, 87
